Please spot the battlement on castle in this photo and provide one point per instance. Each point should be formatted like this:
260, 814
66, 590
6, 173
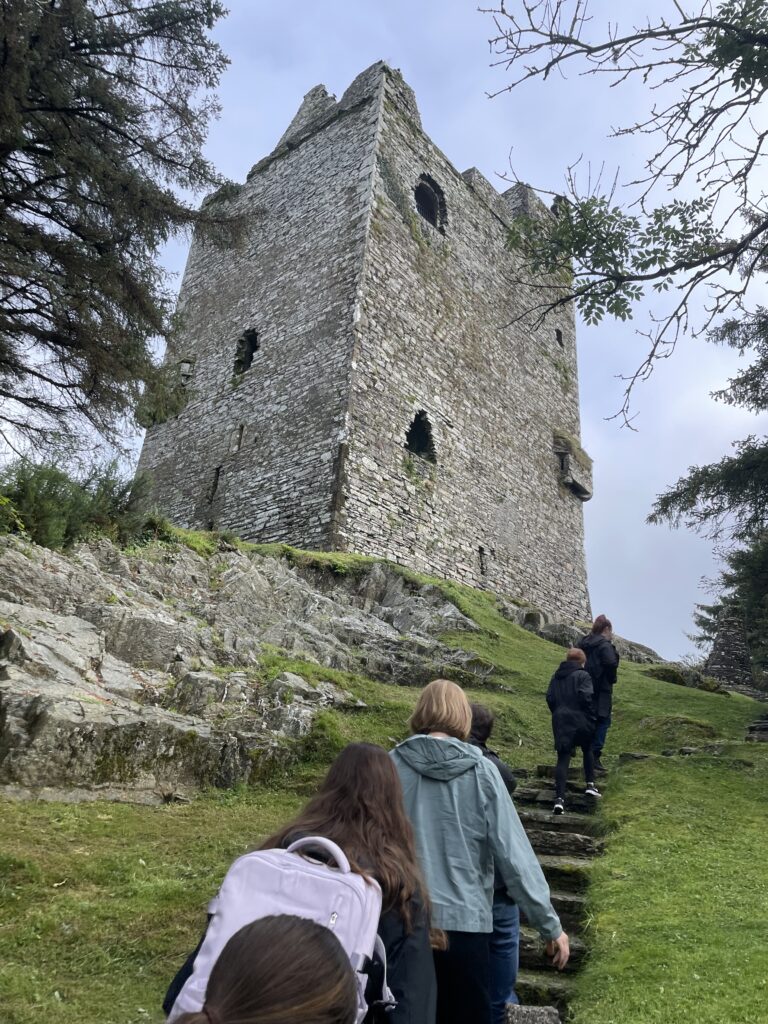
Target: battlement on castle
358, 369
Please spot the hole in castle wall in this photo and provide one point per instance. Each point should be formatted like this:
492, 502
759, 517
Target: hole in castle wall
482, 558
186, 371
247, 347
559, 337
418, 439
237, 439
214, 484
430, 202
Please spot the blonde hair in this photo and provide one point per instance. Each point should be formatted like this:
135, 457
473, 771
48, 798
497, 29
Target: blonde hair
442, 707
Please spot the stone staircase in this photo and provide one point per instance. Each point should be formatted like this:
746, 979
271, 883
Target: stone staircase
565, 845
757, 731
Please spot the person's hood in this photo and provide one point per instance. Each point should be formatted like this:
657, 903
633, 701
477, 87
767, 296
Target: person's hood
567, 668
439, 759
593, 640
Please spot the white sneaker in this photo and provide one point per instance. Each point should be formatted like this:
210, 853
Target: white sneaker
559, 807
592, 790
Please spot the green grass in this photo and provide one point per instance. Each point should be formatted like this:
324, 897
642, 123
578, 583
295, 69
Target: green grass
680, 928
99, 903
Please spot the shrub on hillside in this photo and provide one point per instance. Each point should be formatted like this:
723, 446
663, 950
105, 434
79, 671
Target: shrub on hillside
56, 509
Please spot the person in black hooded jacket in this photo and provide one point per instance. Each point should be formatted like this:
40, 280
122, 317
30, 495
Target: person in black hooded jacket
602, 665
570, 699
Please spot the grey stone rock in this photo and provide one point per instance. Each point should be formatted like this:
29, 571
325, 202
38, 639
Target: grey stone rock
134, 672
561, 633
532, 1015
151, 638
628, 756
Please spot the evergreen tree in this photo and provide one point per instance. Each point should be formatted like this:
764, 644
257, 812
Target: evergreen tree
104, 108
745, 579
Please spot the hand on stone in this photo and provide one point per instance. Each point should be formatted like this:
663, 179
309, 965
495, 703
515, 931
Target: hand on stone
560, 950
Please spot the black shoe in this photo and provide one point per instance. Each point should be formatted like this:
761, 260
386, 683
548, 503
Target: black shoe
559, 806
600, 769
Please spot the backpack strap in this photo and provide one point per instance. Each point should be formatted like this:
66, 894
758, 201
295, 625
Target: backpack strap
325, 844
386, 1001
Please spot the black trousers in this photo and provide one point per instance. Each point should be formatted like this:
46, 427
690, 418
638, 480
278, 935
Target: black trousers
563, 763
464, 979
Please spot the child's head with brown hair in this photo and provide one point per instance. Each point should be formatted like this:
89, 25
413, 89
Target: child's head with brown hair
442, 707
280, 970
359, 806
576, 654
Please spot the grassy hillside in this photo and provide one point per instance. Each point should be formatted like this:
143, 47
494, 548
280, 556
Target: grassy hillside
101, 902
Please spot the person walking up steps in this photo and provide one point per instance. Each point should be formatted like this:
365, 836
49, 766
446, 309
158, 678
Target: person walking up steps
280, 969
359, 807
505, 940
465, 823
602, 665
570, 699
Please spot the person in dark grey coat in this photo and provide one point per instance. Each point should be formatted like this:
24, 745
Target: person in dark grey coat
505, 940
570, 698
602, 665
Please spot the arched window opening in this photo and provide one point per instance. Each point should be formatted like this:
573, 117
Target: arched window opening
430, 202
418, 439
247, 347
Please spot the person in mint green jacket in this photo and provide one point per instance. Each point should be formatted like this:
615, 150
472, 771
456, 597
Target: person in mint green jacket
465, 824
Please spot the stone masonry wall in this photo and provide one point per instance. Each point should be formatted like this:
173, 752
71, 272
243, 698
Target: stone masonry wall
258, 452
368, 315
434, 333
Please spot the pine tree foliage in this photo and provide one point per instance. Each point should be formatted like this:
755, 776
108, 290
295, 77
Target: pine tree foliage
104, 108
745, 579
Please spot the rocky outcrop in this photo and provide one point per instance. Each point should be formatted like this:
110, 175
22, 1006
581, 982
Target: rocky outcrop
566, 633
144, 672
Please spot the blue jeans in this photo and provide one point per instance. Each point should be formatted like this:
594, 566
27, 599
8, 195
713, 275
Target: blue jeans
601, 733
505, 956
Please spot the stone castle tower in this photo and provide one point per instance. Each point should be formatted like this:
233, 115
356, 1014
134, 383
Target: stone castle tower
355, 376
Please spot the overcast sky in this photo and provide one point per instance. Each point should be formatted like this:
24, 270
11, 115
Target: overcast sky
645, 578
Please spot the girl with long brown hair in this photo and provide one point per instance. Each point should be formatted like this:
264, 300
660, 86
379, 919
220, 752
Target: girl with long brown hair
359, 806
280, 970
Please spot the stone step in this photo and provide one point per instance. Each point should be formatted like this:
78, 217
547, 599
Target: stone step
757, 737
544, 988
546, 797
760, 726
532, 1015
542, 818
533, 957
570, 907
547, 771
566, 874
548, 841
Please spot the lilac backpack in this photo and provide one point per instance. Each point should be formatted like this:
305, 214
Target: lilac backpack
286, 882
